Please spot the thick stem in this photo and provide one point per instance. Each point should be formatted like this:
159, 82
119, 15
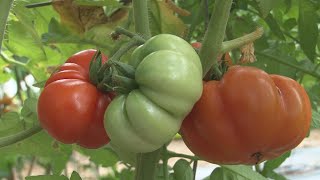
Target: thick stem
6, 141
5, 6
241, 41
141, 17
165, 162
147, 165
212, 43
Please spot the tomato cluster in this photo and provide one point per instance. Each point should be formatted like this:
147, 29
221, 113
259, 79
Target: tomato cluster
245, 118
70, 108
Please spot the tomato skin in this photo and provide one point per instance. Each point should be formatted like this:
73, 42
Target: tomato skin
169, 75
70, 108
247, 117
83, 58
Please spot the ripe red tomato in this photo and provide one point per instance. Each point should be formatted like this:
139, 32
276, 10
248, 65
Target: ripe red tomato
247, 117
70, 108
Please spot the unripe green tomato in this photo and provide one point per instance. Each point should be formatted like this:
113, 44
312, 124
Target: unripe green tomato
169, 75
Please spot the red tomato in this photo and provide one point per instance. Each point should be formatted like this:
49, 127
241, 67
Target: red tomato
70, 108
247, 117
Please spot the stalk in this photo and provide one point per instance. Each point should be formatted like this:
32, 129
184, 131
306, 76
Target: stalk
5, 6
212, 43
141, 20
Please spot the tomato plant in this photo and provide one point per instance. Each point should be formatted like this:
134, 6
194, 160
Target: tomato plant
247, 117
151, 85
70, 108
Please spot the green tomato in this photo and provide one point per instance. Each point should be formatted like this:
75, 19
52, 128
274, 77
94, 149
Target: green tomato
169, 75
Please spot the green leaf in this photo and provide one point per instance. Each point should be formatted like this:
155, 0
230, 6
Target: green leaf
98, 2
29, 110
274, 26
103, 156
47, 177
235, 172
163, 19
275, 163
266, 6
75, 176
308, 27
290, 24
315, 123
59, 34
182, 170
10, 123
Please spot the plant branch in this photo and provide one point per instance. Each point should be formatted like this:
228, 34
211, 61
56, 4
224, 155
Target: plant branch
5, 6
299, 68
11, 61
241, 41
141, 18
195, 165
212, 44
6, 141
147, 165
173, 154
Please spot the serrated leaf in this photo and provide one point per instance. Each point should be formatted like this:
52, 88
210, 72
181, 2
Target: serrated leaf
275, 163
265, 6
75, 176
315, 123
274, 26
104, 156
182, 170
47, 177
308, 27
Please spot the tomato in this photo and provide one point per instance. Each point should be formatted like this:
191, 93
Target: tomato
83, 58
169, 75
70, 108
247, 117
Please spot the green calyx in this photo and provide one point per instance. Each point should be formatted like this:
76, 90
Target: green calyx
113, 76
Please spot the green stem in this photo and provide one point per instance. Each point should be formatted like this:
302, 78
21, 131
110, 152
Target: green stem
241, 41
212, 43
299, 68
6, 141
173, 154
40, 4
147, 165
165, 163
141, 17
11, 61
195, 166
5, 6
